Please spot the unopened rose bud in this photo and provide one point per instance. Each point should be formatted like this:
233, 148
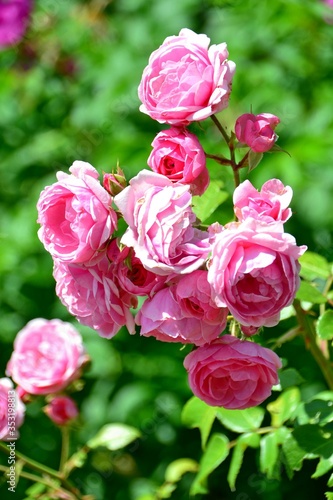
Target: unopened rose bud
257, 131
248, 331
61, 410
114, 183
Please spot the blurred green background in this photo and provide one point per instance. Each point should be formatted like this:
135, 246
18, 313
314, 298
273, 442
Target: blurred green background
69, 91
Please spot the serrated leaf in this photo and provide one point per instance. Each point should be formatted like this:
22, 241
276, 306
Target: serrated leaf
314, 266
293, 453
242, 443
309, 293
290, 377
114, 436
324, 465
217, 450
320, 408
285, 406
254, 159
205, 206
330, 481
329, 495
196, 413
178, 468
324, 325
241, 420
314, 439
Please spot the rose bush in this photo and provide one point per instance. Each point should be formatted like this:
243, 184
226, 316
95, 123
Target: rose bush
254, 271
186, 80
75, 215
160, 217
48, 355
183, 312
232, 373
178, 155
12, 411
269, 204
257, 131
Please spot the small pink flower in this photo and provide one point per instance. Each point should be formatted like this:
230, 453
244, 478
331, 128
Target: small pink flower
14, 20
269, 205
186, 80
48, 355
254, 271
232, 373
75, 215
61, 410
12, 411
160, 219
178, 155
92, 294
183, 312
257, 131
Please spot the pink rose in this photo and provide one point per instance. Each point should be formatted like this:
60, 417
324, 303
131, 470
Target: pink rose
14, 20
254, 271
47, 356
75, 215
12, 411
185, 81
183, 312
92, 294
160, 218
132, 276
232, 373
178, 155
270, 204
61, 410
257, 131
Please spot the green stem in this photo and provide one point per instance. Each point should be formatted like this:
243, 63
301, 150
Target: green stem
309, 335
219, 159
221, 130
64, 448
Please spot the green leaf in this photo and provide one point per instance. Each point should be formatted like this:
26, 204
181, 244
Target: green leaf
196, 413
314, 266
320, 408
285, 406
293, 453
241, 420
329, 495
314, 439
178, 468
204, 206
254, 159
217, 450
324, 325
324, 465
330, 481
290, 377
242, 443
309, 293
114, 436
269, 453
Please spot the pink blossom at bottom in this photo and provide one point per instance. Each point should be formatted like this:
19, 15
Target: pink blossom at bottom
232, 373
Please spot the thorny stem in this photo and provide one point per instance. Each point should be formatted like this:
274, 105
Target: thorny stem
232, 162
309, 334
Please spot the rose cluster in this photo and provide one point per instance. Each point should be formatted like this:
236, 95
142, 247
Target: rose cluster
193, 278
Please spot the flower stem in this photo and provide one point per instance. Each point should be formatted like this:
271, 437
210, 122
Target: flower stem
309, 334
64, 447
221, 130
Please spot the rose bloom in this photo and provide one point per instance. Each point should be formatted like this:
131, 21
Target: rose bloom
232, 373
257, 131
186, 80
270, 204
48, 355
14, 20
61, 410
92, 294
183, 312
75, 215
12, 411
254, 271
178, 155
160, 217
131, 275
